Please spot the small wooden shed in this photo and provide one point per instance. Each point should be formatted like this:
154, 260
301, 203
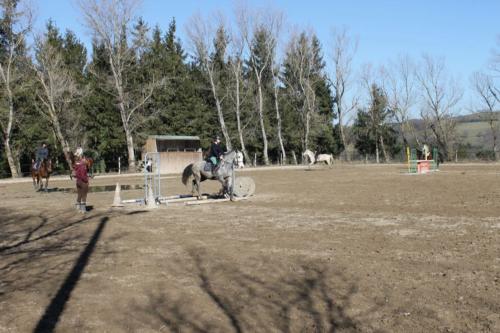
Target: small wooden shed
176, 152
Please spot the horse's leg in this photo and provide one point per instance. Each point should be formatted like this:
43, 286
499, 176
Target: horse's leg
230, 184
193, 186
47, 183
34, 182
197, 182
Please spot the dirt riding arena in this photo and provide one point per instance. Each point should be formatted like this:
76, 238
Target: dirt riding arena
347, 249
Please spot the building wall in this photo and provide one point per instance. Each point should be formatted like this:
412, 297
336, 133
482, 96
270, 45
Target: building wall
176, 161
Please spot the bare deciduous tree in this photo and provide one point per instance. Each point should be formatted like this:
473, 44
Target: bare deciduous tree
110, 22
251, 24
303, 79
58, 89
483, 87
275, 70
202, 34
440, 96
399, 83
237, 47
16, 23
343, 50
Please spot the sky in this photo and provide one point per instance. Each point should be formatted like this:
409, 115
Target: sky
464, 32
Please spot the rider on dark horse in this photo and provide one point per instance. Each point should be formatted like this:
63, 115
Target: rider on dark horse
216, 154
42, 153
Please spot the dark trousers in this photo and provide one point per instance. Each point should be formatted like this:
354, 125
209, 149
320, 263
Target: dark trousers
82, 188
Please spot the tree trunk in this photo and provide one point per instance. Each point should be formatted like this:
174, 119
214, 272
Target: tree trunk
494, 135
62, 140
128, 137
219, 109
130, 149
376, 152
306, 134
278, 118
387, 158
238, 118
223, 127
442, 144
342, 133
15, 173
261, 120
294, 157
403, 134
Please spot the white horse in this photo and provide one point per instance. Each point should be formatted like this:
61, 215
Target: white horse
309, 155
239, 160
327, 158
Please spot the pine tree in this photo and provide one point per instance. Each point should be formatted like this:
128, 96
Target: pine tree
372, 131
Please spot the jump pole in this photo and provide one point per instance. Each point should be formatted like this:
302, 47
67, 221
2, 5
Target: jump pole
152, 176
408, 157
210, 201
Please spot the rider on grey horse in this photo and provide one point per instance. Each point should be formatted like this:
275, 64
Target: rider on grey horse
216, 153
42, 153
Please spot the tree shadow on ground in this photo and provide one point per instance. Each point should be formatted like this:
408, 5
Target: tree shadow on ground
54, 310
299, 296
36, 248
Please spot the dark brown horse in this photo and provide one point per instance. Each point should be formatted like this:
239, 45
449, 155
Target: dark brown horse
44, 171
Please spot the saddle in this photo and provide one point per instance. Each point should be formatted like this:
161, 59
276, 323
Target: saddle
36, 165
208, 167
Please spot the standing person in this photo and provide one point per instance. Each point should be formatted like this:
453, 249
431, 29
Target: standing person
42, 153
215, 153
82, 180
426, 152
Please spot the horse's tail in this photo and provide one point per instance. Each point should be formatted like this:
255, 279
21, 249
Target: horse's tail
187, 173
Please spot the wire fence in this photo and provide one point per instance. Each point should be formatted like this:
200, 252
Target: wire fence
118, 165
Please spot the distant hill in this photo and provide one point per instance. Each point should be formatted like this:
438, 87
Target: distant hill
476, 117
473, 129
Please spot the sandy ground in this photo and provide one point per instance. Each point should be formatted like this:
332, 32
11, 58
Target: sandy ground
347, 249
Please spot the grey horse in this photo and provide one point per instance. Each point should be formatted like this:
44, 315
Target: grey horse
200, 172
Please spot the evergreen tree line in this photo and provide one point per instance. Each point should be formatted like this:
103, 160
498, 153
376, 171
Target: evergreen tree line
236, 82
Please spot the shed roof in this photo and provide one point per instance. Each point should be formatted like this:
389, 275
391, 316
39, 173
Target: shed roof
174, 137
